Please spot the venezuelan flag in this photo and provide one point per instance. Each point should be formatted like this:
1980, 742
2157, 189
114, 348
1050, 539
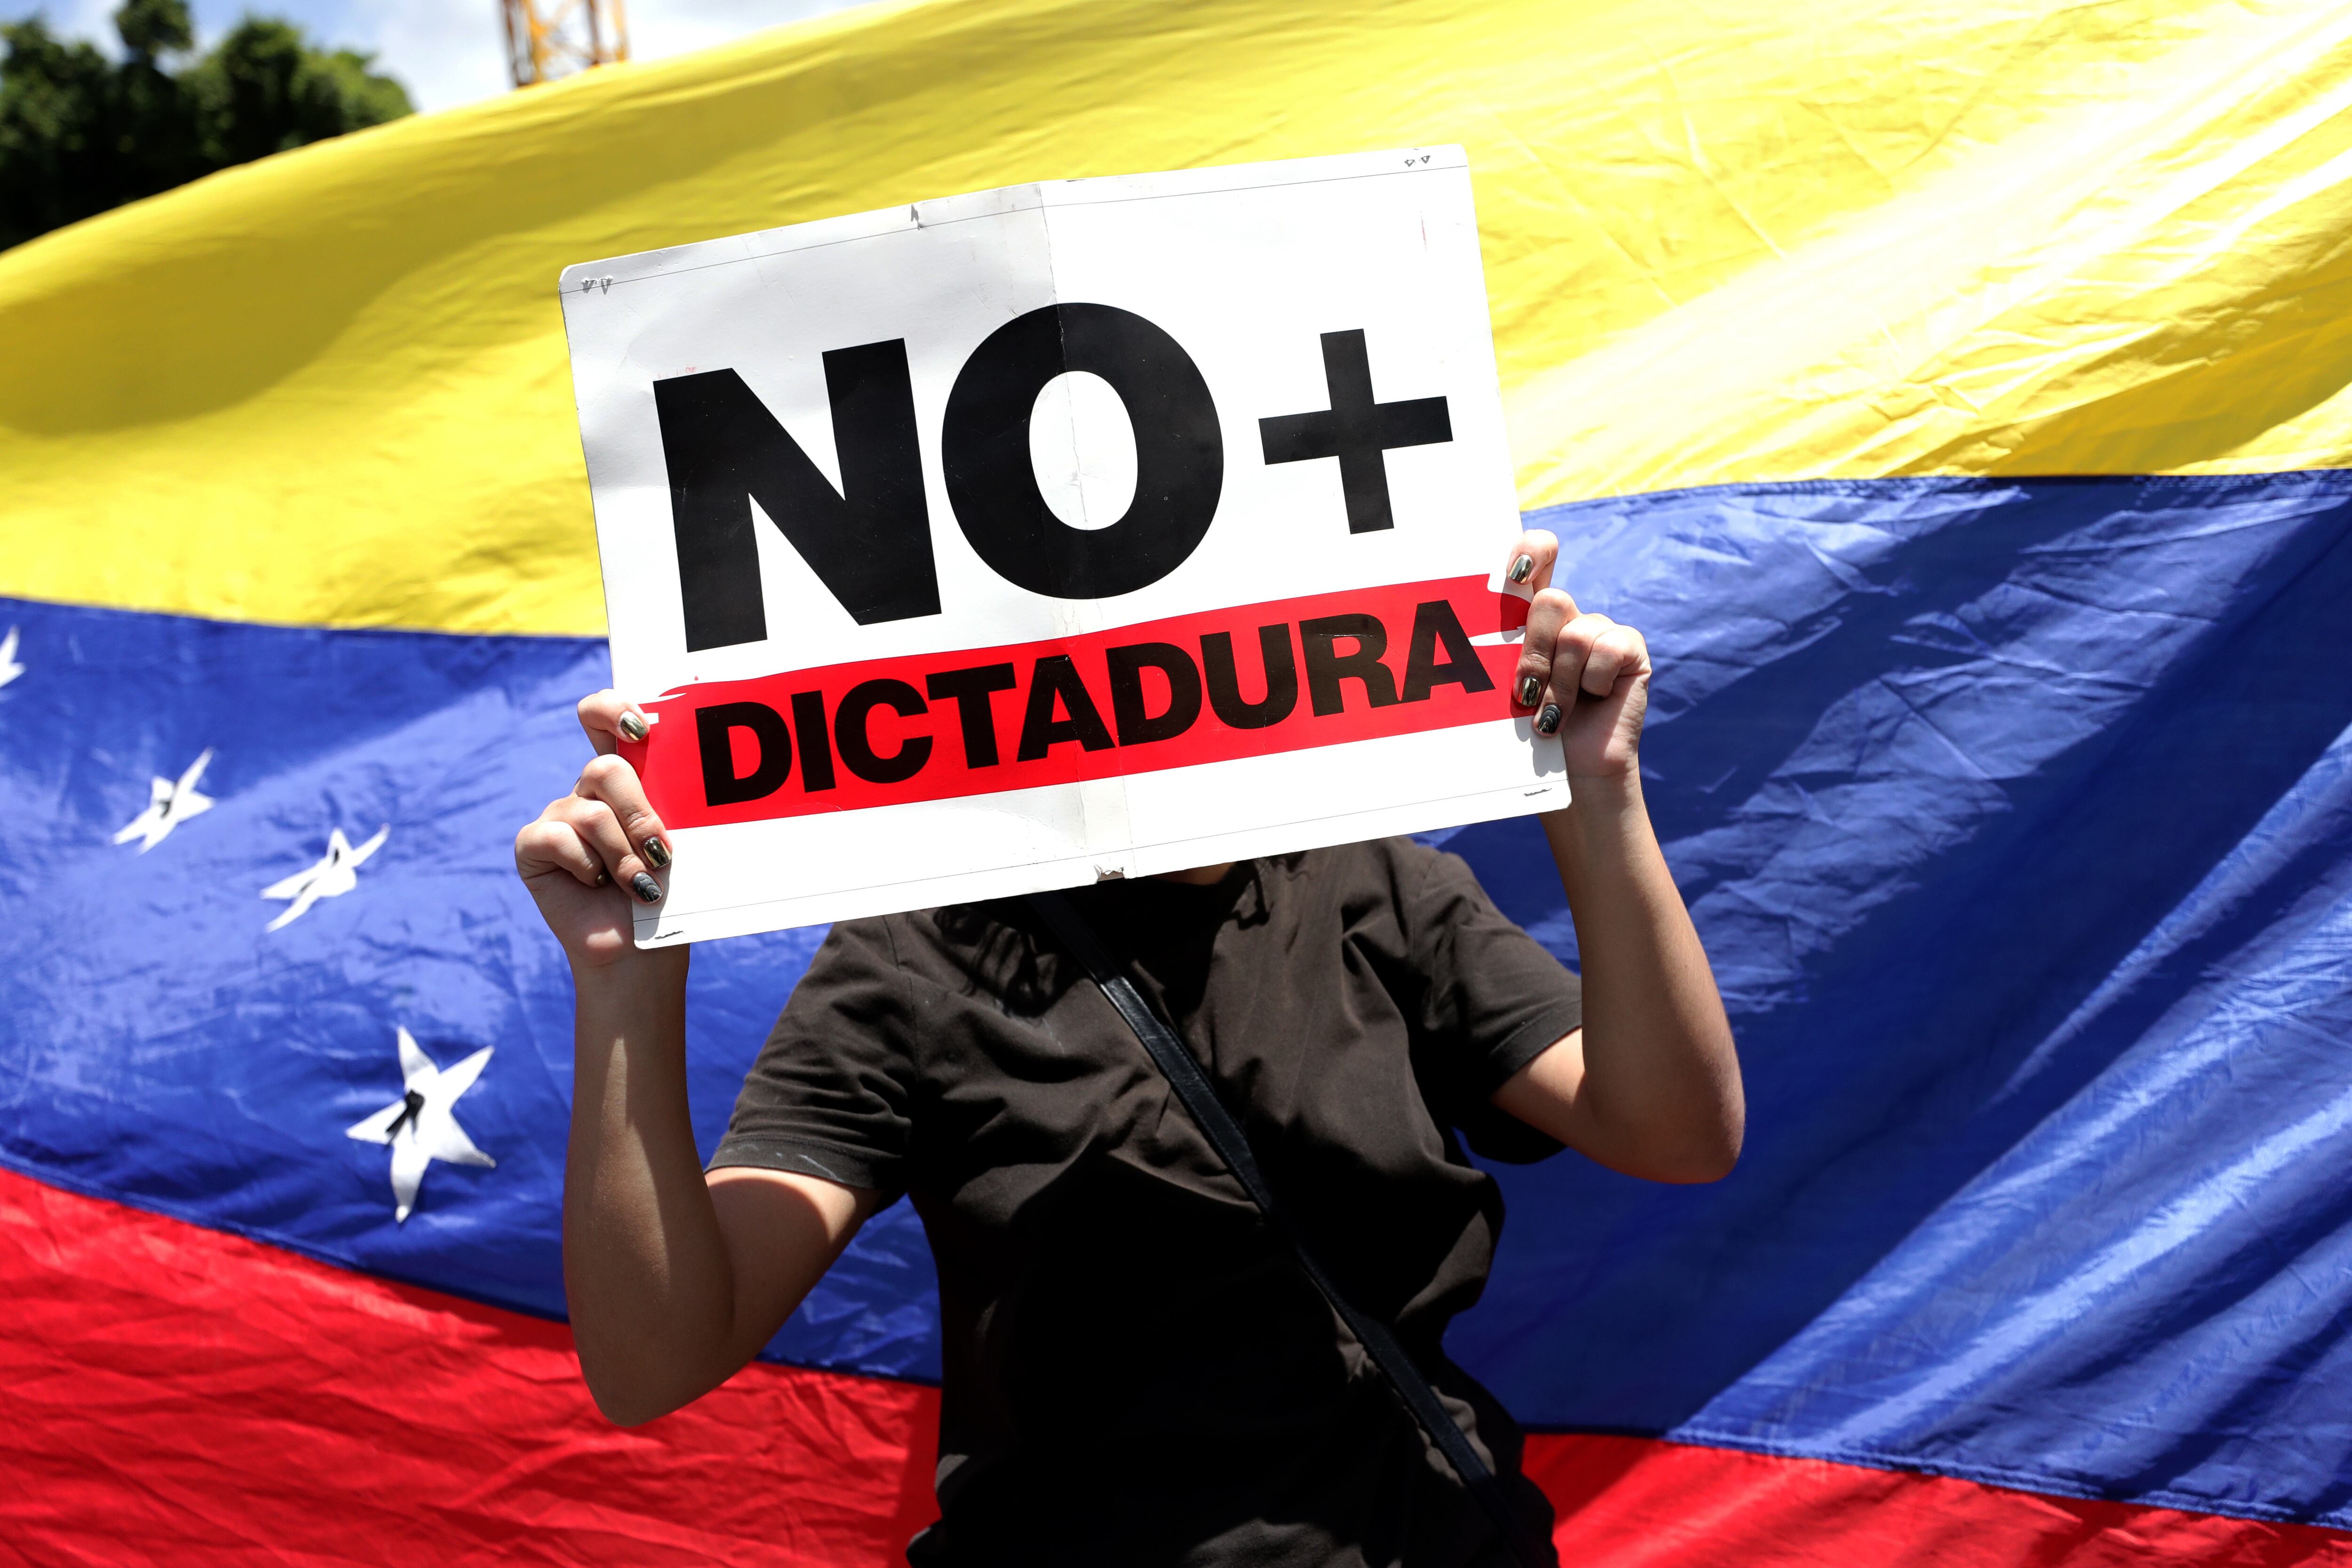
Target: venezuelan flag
1956, 394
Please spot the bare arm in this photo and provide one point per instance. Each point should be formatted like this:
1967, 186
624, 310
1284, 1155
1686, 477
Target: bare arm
1650, 1085
674, 1279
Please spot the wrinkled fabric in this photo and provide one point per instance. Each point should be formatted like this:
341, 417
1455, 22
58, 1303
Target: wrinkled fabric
2012, 814
161, 1046
345, 1419
2010, 807
2014, 817
1637, 1502
1722, 243
176, 1395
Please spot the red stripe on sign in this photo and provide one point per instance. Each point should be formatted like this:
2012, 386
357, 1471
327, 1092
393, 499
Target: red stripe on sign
176, 1395
1635, 1502
1244, 681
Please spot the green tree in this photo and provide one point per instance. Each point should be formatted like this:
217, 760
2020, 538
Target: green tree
80, 134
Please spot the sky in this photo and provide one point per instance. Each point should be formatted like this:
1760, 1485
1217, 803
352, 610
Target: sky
446, 52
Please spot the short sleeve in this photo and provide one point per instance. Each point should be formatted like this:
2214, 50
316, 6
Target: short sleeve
830, 1092
1492, 992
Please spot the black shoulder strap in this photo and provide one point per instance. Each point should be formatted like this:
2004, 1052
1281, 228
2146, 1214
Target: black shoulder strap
1185, 1074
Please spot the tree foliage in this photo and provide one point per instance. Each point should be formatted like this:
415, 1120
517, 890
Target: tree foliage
80, 134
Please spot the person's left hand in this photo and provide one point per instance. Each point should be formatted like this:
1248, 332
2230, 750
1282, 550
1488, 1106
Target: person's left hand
1583, 676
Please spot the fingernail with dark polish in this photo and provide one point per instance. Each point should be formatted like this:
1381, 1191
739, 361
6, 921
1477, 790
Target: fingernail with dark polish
631, 727
1529, 689
1523, 568
658, 852
1545, 723
648, 889
603, 878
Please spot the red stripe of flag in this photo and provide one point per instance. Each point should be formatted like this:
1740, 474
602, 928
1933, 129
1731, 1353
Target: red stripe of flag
1634, 1502
177, 1394
173, 1394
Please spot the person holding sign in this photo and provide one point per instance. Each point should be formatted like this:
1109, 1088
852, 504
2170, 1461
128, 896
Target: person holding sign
1138, 1366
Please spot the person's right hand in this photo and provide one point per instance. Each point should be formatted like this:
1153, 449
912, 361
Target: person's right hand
593, 852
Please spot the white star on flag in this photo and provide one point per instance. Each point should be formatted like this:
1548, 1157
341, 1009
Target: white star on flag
9, 669
336, 873
169, 804
420, 1125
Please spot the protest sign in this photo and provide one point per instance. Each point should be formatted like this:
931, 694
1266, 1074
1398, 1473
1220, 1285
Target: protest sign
1091, 529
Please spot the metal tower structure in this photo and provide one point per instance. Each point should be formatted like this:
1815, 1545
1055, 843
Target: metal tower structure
552, 38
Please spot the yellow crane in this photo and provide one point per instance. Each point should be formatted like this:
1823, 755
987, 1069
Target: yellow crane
552, 38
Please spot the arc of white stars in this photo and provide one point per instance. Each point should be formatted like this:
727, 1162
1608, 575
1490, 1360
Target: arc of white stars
169, 804
335, 874
422, 1125
9, 669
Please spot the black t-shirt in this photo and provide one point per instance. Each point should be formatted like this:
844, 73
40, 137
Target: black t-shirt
1136, 1372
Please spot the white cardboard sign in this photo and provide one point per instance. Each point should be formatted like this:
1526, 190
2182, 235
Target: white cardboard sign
1022, 538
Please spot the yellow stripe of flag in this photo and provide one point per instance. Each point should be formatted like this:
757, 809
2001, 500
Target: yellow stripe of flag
1750, 241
